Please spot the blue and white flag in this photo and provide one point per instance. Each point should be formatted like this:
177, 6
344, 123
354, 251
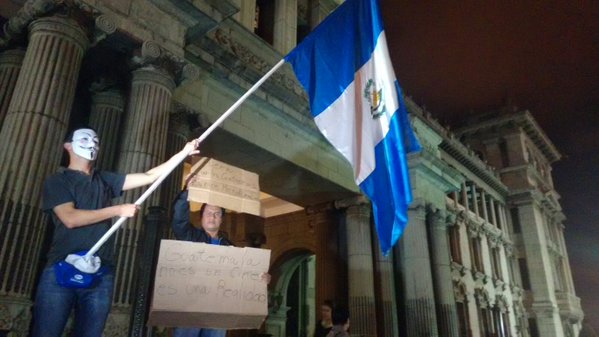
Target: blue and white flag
357, 104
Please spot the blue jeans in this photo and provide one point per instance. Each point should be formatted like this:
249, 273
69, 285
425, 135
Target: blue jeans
53, 305
199, 332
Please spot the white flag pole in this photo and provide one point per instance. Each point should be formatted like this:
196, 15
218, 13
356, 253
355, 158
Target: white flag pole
165, 174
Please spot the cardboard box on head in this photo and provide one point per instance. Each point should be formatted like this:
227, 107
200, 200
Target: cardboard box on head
219, 184
202, 285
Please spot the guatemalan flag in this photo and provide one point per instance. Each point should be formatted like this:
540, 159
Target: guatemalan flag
357, 104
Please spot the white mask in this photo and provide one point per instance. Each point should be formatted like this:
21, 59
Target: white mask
86, 144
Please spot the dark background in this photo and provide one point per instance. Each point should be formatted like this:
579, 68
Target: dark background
460, 58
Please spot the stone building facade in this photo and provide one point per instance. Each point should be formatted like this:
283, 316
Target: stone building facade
483, 253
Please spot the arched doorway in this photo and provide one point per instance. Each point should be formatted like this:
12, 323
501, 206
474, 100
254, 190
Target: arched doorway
293, 297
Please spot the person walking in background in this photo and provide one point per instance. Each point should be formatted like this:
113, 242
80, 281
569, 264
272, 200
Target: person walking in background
340, 319
325, 324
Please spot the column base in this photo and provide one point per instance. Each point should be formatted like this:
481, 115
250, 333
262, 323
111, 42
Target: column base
15, 315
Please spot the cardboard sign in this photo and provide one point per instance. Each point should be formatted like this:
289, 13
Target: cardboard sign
229, 187
210, 286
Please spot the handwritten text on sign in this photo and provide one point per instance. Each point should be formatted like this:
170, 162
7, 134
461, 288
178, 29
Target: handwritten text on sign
198, 277
223, 185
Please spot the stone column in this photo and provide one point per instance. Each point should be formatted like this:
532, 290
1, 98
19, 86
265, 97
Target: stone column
387, 310
360, 271
178, 134
444, 293
247, 13
285, 27
539, 263
493, 215
421, 318
143, 146
501, 219
105, 117
464, 194
31, 139
10, 65
474, 192
484, 204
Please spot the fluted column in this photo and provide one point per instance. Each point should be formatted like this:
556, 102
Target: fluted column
493, 215
387, 310
178, 134
105, 117
474, 192
10, 65
142, 147
360, 271
444, 295
484, 204
464, 194
421, 318
31, 139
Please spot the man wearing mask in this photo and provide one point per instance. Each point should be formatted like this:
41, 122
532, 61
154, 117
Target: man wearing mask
78, 200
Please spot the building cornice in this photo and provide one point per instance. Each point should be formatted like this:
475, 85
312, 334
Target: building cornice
522, 119
453, 147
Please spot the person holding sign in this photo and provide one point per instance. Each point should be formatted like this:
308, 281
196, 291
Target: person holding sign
78, 200
209, 232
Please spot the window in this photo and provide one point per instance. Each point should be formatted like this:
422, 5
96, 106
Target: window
498, 216
503, 151
477, 258
486, 328
560, 281
454, 241
515, 220
496, 263
511, 261
303, 19
265, 20
532, 326
524, 273
463, 321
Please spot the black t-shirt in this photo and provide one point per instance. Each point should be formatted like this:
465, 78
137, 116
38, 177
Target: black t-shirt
320, 330
88, 192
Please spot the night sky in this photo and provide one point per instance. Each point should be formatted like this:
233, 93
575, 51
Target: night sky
462, 58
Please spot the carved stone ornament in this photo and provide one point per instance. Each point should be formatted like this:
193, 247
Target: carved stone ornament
21, 323
190, 72
224, 39
493, 241
482, 298
5, 318
460, 291
105, 24
104, 27
499, 285
436, 216
501, 303
509, 249
473, 229
461, 217
451, 219
150, 50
